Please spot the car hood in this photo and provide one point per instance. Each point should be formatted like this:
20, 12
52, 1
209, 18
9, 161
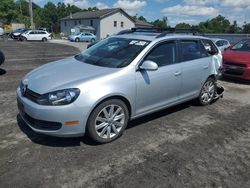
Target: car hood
66, 73
236, 56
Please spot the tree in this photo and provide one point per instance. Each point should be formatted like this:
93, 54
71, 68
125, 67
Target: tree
8, 11
218, 24
183, 26
246, 28
161, 23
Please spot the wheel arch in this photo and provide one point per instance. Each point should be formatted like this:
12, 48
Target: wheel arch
120, 97
117, 96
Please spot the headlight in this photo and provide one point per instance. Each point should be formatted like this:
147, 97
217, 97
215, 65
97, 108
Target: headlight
61, 97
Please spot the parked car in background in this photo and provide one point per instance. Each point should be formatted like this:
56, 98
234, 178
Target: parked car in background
36, 35
17, 33
82, 37
123, 77
222, 44
2, 57
1, 31
236, 60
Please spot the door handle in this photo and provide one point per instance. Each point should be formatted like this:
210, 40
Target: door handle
205, 67
177, 73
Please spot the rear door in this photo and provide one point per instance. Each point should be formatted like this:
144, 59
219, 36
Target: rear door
156, 89
195, 64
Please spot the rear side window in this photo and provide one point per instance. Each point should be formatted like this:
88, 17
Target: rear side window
163, 54
191, 50
210, 47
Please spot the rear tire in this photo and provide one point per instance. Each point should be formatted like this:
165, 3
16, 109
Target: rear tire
107, 121
44, 39
92, 40
207, 92
77, 40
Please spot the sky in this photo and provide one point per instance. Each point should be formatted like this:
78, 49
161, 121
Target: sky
188, 11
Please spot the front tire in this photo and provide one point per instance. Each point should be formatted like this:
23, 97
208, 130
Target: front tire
44, 39
77, 40
207, 92
108, 121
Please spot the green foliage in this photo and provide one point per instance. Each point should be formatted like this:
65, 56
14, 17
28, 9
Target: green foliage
183, 26
218, 24
246, 28
8, 11
161, 23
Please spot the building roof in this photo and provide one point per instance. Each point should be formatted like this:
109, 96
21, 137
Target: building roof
99, 14
92, 14
142, 23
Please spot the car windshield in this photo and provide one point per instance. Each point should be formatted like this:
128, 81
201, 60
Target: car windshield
113, 52
243, 45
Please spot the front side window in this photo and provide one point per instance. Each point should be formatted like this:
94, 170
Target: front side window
163, 54
112, 52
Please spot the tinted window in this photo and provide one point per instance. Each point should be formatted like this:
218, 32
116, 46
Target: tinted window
163, 54
87, 34
32, 33
191, 50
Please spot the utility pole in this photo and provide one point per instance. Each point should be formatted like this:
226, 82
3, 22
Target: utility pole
31, 15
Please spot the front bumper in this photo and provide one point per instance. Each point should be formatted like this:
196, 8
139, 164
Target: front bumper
236, 72
51, 120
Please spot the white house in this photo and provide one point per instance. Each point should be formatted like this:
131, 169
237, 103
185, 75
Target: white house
105, 22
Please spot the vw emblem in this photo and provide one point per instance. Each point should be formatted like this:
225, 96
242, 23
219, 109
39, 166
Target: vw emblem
23, 89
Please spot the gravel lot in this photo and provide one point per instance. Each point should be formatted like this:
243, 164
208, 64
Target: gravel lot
184, 146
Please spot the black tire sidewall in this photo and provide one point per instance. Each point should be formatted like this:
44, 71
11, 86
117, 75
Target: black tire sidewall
215, 87
91, 120
77, 40
44, 39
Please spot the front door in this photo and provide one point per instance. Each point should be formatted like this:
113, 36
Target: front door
156, 89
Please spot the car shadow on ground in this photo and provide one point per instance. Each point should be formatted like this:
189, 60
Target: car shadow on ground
2, 72
242, 82
76, 141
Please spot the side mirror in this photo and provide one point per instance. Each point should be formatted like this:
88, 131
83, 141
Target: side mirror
149, 65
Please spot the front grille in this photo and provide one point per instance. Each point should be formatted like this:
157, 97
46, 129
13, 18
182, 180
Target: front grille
29, 94
235, 64
42, 125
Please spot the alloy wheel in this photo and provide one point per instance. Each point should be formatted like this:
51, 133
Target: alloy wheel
110, 121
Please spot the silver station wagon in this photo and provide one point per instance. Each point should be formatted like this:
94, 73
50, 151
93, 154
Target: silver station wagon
123, 77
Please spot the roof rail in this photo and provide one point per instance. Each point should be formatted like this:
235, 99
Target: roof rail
193, 31
163, 32
141, 29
